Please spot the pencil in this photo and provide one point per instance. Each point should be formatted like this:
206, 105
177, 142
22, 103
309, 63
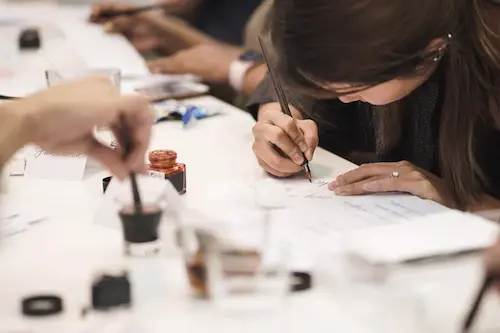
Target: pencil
127, 149
132, 11
282, 99
474, 310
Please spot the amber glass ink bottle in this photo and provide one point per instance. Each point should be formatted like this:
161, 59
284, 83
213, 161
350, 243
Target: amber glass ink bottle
163, 164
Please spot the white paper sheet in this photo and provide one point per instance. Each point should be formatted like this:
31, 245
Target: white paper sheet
101, 50
440, 234
42, 164
310, 217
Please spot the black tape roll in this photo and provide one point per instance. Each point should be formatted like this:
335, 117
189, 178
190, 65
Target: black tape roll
300, 281
42, 305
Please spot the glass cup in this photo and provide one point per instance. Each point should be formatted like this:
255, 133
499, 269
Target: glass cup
247, 268
377, 297
55, 77
150, 230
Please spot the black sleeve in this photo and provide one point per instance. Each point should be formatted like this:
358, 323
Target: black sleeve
488, 157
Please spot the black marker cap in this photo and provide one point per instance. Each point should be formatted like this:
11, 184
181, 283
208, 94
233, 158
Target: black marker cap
110, 292
300, 281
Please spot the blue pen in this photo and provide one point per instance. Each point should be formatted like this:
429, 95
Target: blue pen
188, 116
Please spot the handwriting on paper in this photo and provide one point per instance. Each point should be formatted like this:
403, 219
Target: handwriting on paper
40, 152
43, 164
356, 211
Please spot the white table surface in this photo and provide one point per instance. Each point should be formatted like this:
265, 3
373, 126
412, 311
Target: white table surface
60, 254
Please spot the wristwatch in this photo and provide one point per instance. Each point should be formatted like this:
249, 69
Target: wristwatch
240, 67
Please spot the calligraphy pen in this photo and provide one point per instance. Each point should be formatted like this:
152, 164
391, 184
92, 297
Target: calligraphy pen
4, 97
282, 99
127, 149
474, 310
132, 11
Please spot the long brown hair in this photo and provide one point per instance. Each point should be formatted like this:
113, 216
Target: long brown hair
367, 42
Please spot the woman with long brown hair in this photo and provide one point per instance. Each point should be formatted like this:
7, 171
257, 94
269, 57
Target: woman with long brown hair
410, 88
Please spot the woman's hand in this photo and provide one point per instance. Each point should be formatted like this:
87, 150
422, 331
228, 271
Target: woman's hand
210, 61
62, 119
390, 177
293, 137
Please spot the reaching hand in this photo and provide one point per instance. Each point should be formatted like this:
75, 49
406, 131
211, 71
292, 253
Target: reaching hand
210, 61
62, 119
137, 28
292, 136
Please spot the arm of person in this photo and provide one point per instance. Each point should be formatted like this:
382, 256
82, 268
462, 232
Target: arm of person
252, 79
62, 120
176, 33
182, 7
14, 129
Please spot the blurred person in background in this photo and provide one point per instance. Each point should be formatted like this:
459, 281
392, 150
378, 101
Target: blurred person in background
241, 67
221, 20
235, 68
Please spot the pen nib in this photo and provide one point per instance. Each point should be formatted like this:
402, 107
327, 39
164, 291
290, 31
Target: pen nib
308, 175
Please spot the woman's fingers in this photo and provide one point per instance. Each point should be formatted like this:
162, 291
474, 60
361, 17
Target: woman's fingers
108, 158
273, 171
266, 133
372, 170
289, 127
310, 131
277, 163
357, 188
413, 182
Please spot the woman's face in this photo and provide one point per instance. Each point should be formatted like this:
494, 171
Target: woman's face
381, 94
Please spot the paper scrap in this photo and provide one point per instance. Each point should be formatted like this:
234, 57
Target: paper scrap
43, 164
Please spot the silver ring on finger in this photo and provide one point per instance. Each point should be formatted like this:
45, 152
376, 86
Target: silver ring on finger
395, 174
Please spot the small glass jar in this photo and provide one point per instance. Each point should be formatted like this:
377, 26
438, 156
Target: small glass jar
163, 164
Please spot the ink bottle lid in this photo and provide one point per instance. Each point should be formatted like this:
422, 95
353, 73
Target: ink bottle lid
163, 159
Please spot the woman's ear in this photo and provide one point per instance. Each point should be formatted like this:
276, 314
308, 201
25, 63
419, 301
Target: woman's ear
437, 47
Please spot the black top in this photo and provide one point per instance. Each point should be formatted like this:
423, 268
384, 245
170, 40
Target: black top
225, 19
345, 129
